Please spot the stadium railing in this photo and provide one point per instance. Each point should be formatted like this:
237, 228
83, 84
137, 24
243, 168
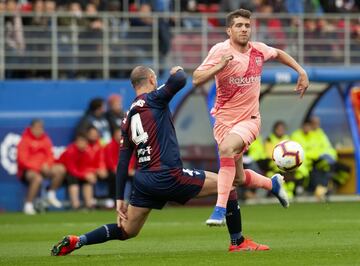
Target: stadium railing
108, 45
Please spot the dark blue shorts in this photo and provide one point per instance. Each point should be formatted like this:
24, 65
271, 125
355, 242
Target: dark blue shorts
154, 189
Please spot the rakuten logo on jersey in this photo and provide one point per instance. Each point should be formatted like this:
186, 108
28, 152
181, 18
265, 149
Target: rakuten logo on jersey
244, 80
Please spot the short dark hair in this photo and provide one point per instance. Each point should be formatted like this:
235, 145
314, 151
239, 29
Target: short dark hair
95, 104
91, 127
36, 121
80, 135
277, 124
139, 75
307, 121
235, 14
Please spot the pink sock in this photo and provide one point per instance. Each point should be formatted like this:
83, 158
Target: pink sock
225, 180
255, 180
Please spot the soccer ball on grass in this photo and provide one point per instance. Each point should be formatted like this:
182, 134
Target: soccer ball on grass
288, 155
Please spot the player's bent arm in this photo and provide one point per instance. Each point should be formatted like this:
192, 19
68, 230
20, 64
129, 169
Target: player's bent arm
303, 80
164, 94
286, 59
202, 76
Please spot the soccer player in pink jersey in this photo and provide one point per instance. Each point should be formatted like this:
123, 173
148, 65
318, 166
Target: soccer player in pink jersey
237, 65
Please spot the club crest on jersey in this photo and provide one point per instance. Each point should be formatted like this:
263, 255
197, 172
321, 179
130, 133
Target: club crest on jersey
258, 60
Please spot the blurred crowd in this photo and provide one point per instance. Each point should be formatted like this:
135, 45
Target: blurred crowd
320, 173
28, 38
89, 162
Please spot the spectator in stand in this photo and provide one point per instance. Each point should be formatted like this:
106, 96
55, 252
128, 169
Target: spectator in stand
115, 113
315, 30
271, 29
91, 40
67, 39
39, 37
76, 161
95, 116
35, 162
189, 7
355, 43
50, 7
161, 6
231, 5
14, 37
279, 6
303, 6
164, 33
329, 31
111, 160
117, 30
340, 6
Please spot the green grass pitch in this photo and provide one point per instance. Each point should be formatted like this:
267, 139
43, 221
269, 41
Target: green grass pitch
304, 234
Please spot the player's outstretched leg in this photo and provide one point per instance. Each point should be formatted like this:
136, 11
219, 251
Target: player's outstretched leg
274, 185
100, 235
278, 190
129, 228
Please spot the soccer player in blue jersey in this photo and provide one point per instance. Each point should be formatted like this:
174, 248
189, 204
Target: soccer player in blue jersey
148, 131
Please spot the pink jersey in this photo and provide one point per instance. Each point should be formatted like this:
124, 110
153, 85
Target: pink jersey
238, 84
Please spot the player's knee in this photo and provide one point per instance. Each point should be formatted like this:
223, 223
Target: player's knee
132, 234
226, 150
127, 234
129, 230
124, 235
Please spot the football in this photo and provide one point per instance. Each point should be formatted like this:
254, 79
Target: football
288, 155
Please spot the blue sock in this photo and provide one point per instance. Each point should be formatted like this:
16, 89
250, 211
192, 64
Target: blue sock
233, 222
102, 234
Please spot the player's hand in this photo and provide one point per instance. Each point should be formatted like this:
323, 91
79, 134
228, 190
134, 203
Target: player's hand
175, 69
225, 59
302, 84
121, 208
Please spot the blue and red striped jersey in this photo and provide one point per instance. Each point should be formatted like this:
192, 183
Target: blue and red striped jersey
148, 131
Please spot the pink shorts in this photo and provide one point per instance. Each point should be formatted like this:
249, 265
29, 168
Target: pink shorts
248, 130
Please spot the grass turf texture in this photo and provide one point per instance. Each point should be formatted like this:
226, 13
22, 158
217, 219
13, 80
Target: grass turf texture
304, 234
